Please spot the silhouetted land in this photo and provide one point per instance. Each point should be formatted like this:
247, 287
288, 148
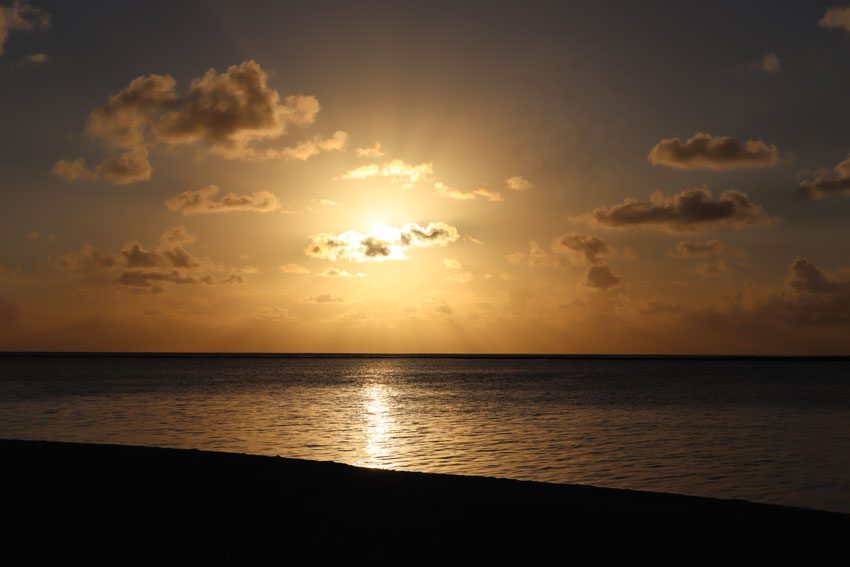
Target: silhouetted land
113, 505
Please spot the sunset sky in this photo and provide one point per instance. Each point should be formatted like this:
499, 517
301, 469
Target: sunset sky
572, 177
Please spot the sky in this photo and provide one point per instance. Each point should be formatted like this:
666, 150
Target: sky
452, 177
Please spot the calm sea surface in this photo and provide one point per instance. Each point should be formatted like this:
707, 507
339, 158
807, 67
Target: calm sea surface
769, 431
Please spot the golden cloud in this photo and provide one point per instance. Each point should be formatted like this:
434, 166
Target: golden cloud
396, 171
380, 244
204, 201
446, 192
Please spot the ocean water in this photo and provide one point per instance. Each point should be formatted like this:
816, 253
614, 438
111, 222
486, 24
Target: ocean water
774, 431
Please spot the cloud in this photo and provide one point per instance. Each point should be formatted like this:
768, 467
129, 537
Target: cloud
326, 298
396, 171
692, 210
373, 151
460, 275
836, 17
711, 269
583, 247
21, 16
337, 273
176, 236
235, 278
825, 183
130, 167
446, 192
229, 114
657, 306
770, 63
808, 278
704, 151
87, 257
169, 263
135, 256
811, 298
380, 244
36, 58
601, 277
73, 170
518, 183
303, 150
203, 201
568, 250
293, 269
150, 279
146, 269
698, 249
537, 256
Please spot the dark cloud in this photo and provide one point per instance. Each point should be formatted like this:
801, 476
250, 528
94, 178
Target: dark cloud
812, 299
435, 234
808, 278
698, 249
692, 210
232, 110
375, 248
601, 277
590, 248
704, 151
148, 270
21, 16
179, 258
226, 114
135, 256
203, 201
148, 278
130, 167
326, 298
825, 183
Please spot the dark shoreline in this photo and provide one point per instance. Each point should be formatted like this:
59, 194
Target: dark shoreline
344, 355
70, 503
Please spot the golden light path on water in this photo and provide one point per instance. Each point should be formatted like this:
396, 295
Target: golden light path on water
378, 426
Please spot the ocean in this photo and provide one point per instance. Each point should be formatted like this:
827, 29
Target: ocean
765, 430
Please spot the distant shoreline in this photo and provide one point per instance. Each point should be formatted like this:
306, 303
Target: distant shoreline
343, 355
110, 504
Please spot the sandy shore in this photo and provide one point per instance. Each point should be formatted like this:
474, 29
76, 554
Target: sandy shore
113, 505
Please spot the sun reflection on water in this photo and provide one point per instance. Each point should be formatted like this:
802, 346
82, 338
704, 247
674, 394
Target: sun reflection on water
378, 421
378, 425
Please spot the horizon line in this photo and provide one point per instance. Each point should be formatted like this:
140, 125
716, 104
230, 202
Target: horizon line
494, 356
